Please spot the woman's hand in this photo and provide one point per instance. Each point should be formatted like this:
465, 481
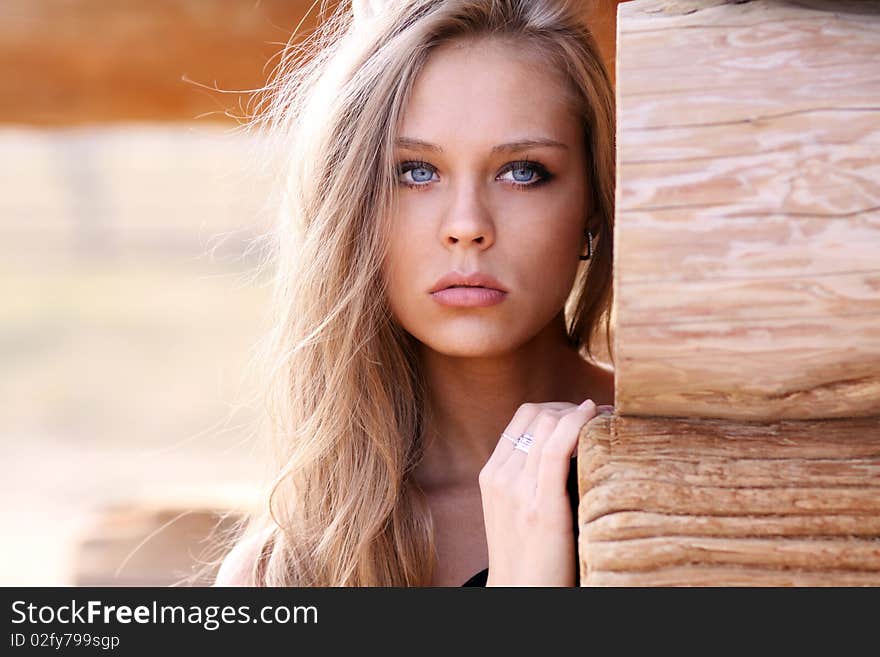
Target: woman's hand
526, 509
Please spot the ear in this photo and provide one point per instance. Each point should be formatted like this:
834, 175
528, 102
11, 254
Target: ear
366, 10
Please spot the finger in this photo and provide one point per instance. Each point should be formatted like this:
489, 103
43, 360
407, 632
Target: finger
555, 461
516, 427
530, 469
541, 428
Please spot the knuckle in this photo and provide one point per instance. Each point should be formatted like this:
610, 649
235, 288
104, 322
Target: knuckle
497, 483
546, 420
531, 513
522, 496
527, 409
549, 412
521, 417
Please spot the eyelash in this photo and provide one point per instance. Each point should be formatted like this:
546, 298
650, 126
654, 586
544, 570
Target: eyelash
545, 176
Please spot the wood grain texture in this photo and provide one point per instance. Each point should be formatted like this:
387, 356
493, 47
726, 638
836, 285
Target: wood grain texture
696, 501
747, 240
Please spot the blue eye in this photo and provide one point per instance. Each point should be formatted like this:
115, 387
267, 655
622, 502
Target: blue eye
521, 169
524, 167
422, 173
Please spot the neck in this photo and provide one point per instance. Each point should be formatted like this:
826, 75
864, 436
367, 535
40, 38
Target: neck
471, 400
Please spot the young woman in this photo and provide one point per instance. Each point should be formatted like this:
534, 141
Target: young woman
444, 262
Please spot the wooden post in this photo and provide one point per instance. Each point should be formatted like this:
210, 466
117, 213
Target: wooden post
746, 445
747, 244
695, 501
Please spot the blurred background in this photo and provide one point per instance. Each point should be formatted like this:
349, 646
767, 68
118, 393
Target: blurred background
130, 205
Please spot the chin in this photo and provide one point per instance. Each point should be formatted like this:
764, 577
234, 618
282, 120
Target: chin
463, 344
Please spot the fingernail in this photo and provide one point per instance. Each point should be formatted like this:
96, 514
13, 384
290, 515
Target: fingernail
586, 403
606, 408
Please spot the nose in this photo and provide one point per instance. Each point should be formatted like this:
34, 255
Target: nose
468, 223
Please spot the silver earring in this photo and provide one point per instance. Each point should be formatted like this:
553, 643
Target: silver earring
589, 246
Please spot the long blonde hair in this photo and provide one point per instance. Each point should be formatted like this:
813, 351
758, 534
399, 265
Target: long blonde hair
345, 396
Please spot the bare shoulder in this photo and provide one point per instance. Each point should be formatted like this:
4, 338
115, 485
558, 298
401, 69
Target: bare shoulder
238, 566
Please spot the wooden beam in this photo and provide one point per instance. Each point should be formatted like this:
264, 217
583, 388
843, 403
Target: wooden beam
714, 502
747, 278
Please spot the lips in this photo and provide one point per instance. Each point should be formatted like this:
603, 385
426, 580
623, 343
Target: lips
474, 279
468, 297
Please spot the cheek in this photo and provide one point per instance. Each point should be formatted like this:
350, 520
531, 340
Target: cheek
549, 257
549, 285
401, 270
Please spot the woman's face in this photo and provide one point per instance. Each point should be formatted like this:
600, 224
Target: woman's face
516, 214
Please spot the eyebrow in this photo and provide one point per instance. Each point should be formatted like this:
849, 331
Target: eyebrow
519, 145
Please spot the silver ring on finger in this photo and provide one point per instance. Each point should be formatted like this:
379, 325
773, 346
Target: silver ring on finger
510, 438
525, 442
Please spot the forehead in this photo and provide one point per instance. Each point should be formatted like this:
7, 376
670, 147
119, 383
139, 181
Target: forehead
487, 91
